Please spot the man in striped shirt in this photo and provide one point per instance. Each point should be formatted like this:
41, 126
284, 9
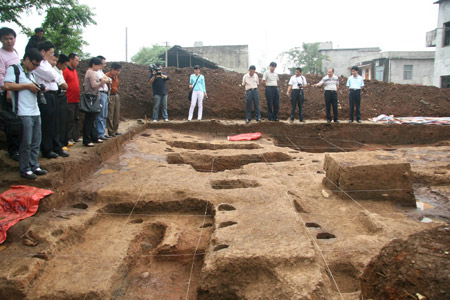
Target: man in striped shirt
331, 87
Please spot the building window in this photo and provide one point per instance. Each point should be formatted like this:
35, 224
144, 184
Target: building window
407, 72
379, 73
445, 82
447, 34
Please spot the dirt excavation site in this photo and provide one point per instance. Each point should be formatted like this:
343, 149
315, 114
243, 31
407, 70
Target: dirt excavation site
172, 210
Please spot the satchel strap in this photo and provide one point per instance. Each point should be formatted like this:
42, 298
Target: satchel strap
196, 81
16, 93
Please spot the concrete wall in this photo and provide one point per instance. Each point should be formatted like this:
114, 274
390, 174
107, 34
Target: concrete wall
394, 62
340, 59
442, 58
231, 57
422, 73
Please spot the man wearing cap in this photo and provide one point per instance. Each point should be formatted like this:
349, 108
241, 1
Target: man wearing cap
250, 82
270, 81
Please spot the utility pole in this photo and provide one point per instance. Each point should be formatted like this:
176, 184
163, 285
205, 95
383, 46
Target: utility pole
126, 44
167, 56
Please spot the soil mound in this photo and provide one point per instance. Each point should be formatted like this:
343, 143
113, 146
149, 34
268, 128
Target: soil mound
227, 99
403, 269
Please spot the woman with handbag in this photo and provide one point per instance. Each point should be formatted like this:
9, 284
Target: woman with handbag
198, 91
90, 101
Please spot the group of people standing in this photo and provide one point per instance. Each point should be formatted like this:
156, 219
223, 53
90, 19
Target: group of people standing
295, 91
40, 98
197, 86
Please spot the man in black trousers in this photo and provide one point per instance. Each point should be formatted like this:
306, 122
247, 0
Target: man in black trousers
331, 86
51, 146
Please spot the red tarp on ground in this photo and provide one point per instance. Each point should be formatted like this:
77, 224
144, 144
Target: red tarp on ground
245, 137
18, 203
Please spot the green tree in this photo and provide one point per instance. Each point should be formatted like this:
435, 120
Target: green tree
64, 26
12, 10
149, 55
308, 58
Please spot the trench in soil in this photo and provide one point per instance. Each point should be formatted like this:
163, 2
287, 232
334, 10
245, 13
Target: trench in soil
145, 249
130, 251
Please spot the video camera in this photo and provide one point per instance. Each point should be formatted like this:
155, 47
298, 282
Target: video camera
156, 68
41, 97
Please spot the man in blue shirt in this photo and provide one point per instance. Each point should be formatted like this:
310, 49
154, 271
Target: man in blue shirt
355, 84
158, 80
28, 111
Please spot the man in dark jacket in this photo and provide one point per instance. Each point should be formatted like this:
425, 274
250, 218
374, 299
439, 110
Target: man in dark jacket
34, 41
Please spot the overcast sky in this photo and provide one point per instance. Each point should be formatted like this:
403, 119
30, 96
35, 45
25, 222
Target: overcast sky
268, 27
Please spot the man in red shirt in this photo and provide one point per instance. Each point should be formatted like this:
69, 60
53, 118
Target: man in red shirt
73, 98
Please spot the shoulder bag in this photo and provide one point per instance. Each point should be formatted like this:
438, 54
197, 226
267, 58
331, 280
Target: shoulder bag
12, 124
190, 92
90, 103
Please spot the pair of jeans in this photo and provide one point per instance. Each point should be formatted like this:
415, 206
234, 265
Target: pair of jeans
297, 98
331, 100
112, 123
252, 97
355, 99
273, 102
30, 144
100, 119
160, 100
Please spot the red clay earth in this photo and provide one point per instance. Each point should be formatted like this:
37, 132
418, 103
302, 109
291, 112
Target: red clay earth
227, 99
406, 268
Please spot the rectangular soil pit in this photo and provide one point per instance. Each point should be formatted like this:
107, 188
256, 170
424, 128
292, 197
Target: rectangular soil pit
369, 176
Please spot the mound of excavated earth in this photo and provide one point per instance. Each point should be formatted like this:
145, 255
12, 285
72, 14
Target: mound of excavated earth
227, 99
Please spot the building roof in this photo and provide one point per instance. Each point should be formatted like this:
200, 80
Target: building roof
440, 1
181, 58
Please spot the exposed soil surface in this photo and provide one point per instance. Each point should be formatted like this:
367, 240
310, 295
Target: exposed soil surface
408, 269
175, 211
227, 98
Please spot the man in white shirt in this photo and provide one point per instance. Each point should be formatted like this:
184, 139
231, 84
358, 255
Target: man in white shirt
100, 120
28, 111
331, 87
355, 84
61, 65
296, 92
51, 146
270, 81
250, 82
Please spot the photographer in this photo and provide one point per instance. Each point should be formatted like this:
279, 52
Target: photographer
24, 95
158, 80
296, 92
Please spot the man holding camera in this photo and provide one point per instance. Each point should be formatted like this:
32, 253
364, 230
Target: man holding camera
296, 92
8, 57
51, 146
158, 80
24, 94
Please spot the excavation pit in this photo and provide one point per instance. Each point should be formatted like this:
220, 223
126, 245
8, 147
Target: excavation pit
216, 219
